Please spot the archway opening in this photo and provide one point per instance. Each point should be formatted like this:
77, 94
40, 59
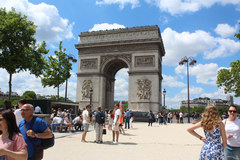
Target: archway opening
116, 73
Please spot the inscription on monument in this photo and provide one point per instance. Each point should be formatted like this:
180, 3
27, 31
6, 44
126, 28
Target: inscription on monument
144, 88
144, 61
88, 63
87, 85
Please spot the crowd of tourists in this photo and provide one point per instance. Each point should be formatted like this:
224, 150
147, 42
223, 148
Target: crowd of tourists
22, 134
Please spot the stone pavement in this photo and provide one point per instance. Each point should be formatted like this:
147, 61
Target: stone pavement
159, 142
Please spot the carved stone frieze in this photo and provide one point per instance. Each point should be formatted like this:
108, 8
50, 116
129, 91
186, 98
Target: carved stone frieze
87, 84
88, 63
144, 88
145, 61
120, 34
127, 57
119, 48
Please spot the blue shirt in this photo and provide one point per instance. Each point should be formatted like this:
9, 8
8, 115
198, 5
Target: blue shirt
128, 114
39, 126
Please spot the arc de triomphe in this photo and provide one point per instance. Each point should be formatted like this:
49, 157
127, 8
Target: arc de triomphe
103, 53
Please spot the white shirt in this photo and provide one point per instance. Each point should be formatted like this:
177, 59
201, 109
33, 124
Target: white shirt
233, 128
180, 114
18, 116
85, 114
117, 113
57, 120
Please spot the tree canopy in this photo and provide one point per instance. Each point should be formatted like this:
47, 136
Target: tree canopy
29, 95
19, 50
230, 78
57, 69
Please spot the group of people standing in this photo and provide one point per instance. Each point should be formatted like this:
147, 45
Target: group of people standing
115, 118
222, 137
22, 133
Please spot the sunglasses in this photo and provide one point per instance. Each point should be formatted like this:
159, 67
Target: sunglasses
232, 111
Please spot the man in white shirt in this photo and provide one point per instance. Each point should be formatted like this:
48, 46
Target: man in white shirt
86, 121
17, 112
116, 122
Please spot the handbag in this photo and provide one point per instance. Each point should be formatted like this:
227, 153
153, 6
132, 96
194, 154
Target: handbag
104, 131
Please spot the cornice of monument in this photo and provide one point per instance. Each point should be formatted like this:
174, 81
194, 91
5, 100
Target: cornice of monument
120, 30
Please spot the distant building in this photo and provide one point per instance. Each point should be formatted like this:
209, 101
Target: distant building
205, 101
4, 95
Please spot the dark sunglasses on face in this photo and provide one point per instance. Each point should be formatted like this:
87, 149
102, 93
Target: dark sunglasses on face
232, 111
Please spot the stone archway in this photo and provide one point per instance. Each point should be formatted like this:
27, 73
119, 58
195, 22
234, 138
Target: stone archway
103, 53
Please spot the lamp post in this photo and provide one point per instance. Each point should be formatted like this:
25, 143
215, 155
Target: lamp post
191, 63
70, 58
90, 93
164, 94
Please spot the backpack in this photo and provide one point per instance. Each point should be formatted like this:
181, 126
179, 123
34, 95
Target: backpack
45, 143
100, 117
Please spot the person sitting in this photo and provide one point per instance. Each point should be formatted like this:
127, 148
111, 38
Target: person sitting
68, 122
77, 122
56, 122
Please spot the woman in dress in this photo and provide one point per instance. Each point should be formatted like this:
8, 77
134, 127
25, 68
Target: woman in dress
215, 136
12, 144
232, 127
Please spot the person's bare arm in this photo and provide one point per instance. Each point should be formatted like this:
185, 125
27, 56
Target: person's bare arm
191, 130
20, 155
223, 134
47, 133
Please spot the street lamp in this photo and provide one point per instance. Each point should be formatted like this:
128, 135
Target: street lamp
164, 93
191, 63
70, 58
90, 93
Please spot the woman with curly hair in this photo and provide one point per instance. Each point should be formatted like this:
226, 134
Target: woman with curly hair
215, 136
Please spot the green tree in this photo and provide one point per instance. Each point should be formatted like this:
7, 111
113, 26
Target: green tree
18, 47
230, 78
57, 69
31, 95
238, 34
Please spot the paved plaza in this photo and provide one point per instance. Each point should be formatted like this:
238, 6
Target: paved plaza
165, 142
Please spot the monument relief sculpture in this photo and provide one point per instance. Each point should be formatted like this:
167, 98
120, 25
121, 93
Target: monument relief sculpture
87, 84
144, 88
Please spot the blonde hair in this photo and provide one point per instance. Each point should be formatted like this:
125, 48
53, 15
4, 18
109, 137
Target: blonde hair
210, 118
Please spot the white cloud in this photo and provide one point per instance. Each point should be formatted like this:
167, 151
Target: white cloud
24, 81
171, 81
181, 6
178, 45
106, 26
192, 90
223, 48
225, 30
205, 73
50, 25
121, 3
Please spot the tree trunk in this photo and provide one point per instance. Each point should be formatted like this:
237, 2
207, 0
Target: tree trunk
58, 94
10, 86
66, 90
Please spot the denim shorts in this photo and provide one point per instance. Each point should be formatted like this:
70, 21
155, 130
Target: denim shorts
85, 126
232, 153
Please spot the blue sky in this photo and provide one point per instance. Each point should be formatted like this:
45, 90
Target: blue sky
202, 29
